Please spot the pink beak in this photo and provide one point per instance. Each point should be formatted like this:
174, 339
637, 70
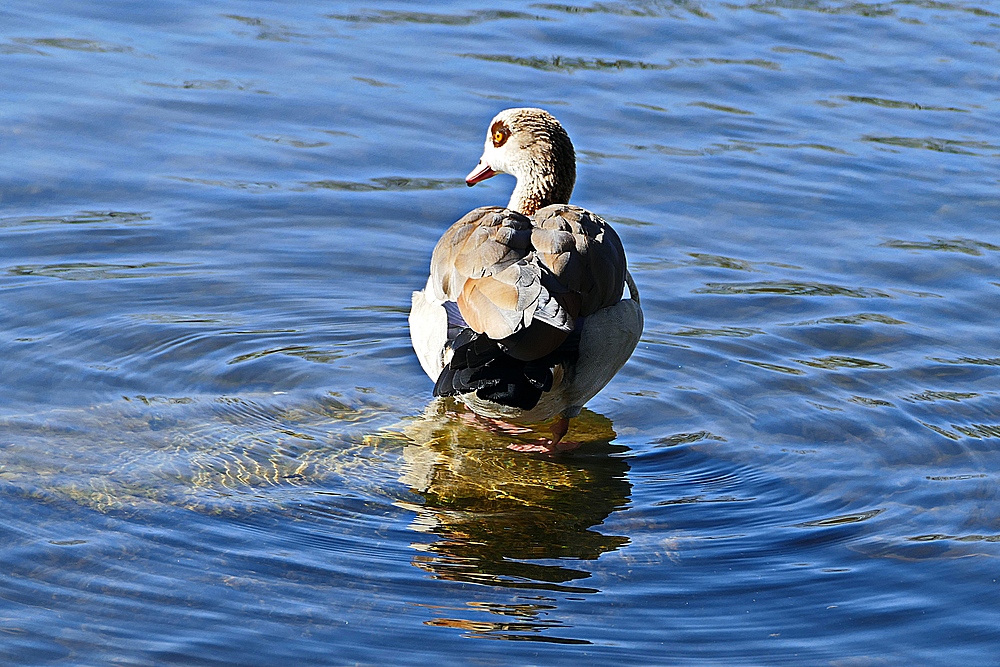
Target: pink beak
480, 173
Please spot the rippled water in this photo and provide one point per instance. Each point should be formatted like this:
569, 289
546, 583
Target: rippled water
217, 448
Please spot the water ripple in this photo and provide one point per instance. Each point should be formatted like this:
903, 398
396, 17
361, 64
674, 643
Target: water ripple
936, 144
164, 450
686, 439
641, 9
790, 288
957, 538
469, 18
98, 270
721, 107
230, 461
114, 218
860, 319
734, 264
289, 141
307, 352
843, 519
964, 246
73, 44
388, 183
934, 396
778, 368
978, 431
209, 84
720, 332
870, 402
733, 146
806, 52
267, 30
570, 64
970, 361
868, 10
896, 104
836, 362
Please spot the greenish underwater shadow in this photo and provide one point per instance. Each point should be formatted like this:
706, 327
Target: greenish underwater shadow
496, 515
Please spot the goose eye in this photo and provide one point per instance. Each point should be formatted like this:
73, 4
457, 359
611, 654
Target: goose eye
499, 134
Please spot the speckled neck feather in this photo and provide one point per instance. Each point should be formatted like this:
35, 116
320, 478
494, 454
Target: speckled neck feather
547, 173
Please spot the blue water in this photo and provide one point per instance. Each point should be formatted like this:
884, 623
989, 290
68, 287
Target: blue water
217, 448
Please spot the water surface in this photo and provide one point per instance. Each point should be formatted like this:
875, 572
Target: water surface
217, 448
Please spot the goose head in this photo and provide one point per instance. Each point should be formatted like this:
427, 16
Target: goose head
531, 145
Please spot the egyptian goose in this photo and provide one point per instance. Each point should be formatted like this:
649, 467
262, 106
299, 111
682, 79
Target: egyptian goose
523, 316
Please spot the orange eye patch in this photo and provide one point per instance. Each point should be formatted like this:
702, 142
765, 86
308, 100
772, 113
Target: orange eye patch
499, 134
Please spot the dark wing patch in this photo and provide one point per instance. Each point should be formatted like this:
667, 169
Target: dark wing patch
479, 364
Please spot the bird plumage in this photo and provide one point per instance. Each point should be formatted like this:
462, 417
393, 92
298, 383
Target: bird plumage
523, 315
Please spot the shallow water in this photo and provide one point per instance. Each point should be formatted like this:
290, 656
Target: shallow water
217, 448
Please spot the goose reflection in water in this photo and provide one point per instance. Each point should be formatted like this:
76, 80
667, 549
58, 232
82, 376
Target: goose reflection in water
496, 513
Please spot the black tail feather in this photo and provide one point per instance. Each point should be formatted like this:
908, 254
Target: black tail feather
479, 364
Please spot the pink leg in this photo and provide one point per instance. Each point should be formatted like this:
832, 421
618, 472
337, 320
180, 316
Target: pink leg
559, 429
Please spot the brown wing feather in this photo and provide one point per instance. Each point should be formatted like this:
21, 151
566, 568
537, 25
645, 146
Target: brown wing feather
583, 253
467, 251
485, 264
525, 281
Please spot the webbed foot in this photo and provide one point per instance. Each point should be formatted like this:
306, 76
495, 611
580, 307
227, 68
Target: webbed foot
553, 446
